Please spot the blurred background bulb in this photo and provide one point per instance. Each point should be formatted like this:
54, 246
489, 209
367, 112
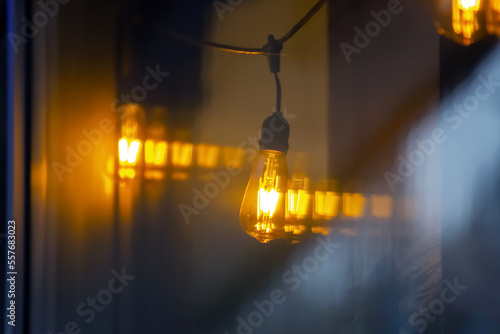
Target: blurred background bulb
155, 148
130, 140
299, 201
461, 20
262, 213
493, 17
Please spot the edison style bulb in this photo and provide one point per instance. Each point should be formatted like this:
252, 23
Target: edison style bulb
262, 213
461, 20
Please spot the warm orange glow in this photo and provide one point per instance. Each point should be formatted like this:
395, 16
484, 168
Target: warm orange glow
180, 176
381, 206
298, 203
465, 18
295, 229
208, 155
182, 154
126, 173
493, 17
267, 199
130, 144
321, 230
155, 153
109, 172
128, 151
468, 4
326, 204
353, 205
154, 174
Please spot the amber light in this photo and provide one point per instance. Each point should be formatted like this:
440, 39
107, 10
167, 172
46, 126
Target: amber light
493, 17
465, 17
155, 153
353, 205
182, 154
128, 151
462, 20
130, 142
262, 213
155, 158
298, 203
326, 204
208, 155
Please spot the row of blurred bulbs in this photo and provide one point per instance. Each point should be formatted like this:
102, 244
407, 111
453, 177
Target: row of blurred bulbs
146, 149
467, 21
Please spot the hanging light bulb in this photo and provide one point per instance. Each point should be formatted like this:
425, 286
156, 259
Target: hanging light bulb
262, 213
130, 140
461, 20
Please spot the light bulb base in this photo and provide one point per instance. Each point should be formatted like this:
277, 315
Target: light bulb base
275, 133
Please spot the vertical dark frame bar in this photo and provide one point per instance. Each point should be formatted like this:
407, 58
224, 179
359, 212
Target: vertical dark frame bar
17, 183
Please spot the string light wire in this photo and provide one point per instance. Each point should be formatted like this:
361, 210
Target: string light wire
273, 44
246, 50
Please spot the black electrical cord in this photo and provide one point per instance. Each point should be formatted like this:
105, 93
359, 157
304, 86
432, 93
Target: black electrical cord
303, 21
245, 50
223, 47
271, 49
278, 93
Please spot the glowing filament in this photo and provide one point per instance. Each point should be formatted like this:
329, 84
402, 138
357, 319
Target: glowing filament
267, 201
268, 195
